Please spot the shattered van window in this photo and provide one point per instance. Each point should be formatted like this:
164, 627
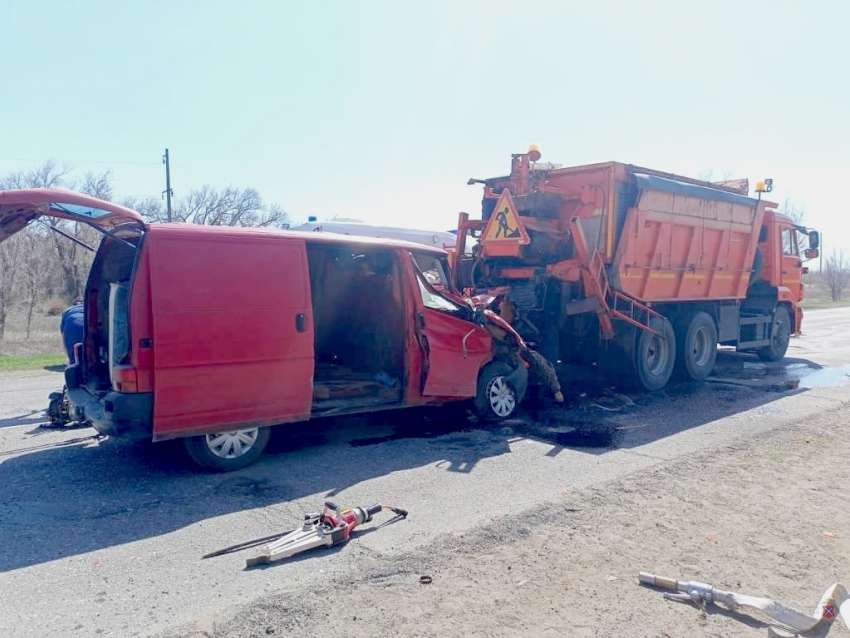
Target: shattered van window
432, 269
435, 301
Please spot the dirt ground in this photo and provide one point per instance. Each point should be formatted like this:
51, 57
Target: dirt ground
769, 517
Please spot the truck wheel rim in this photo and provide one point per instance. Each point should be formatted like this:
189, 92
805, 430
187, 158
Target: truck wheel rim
502, 398
233, 444
701, 348
656, 355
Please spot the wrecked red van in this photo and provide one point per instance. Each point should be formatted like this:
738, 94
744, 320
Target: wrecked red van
213, 334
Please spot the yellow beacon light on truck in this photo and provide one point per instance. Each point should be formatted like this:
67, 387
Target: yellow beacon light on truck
534, 153
764, 186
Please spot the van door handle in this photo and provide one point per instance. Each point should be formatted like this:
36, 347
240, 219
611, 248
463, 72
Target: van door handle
301, 322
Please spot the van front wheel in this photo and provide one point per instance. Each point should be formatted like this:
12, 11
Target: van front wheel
228, 450
497, 399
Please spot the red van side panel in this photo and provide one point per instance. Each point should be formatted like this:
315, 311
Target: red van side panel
232, 330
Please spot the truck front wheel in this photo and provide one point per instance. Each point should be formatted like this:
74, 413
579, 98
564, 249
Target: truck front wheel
696, 346
780, 335
229, 450
655, 354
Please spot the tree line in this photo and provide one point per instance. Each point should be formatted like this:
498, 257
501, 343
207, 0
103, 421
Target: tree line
37, 264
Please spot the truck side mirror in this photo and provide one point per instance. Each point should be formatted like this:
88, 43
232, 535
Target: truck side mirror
811, 253
814, 239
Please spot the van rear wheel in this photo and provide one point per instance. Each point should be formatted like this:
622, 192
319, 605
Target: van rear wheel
229, 450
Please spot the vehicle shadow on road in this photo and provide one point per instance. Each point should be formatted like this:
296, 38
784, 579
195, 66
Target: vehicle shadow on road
66, 501
601, 416
33, 417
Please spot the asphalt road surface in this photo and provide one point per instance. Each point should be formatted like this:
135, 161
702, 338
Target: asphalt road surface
104, 538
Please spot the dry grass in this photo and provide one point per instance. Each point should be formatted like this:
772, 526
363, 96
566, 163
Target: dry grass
817, 293
44, 338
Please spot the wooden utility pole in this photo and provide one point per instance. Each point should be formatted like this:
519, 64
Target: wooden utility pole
168, 193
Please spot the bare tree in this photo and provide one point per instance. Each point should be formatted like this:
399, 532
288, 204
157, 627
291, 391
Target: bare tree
35, 271
96, 185
150, 208
48, 175
837, 274
72, 260
11, 260
229, 207
793, 210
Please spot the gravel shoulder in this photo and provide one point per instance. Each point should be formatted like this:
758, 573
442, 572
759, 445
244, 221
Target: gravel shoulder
750, 516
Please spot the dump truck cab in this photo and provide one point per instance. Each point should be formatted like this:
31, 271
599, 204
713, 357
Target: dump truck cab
785, 247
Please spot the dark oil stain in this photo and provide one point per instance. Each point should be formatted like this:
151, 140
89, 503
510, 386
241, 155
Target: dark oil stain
243, 486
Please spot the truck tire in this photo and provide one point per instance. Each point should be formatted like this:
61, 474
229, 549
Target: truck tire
497, 399
229, 450
696, 346
780, 335
654, 355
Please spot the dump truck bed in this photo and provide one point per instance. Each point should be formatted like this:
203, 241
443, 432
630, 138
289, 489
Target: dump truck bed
683, 241
664, 237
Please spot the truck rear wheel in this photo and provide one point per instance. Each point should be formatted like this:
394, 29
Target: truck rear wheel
229, 450
654, 355
696, 346
780, 336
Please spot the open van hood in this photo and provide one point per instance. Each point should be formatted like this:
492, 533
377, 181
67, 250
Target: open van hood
20, 207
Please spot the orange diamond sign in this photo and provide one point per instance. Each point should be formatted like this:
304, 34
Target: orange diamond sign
504, 224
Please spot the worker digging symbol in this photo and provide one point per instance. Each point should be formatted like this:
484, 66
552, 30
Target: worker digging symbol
504, 224
504, 229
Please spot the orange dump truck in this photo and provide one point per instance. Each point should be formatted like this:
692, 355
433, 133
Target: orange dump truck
642, 271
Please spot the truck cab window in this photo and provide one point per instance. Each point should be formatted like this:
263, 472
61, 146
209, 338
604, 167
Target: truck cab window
789, 242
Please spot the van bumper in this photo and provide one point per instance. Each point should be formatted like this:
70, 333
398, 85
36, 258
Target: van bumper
129, 416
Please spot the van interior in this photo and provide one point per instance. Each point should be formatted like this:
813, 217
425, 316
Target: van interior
107, 334
359, 321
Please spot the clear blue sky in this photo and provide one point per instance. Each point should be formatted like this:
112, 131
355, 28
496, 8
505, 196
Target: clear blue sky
382, 110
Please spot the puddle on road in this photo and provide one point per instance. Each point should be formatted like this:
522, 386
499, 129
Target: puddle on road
787, 377
822, 378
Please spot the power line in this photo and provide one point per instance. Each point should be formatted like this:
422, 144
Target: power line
43, 161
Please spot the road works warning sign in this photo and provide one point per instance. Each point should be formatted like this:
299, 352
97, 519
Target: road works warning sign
504, 224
